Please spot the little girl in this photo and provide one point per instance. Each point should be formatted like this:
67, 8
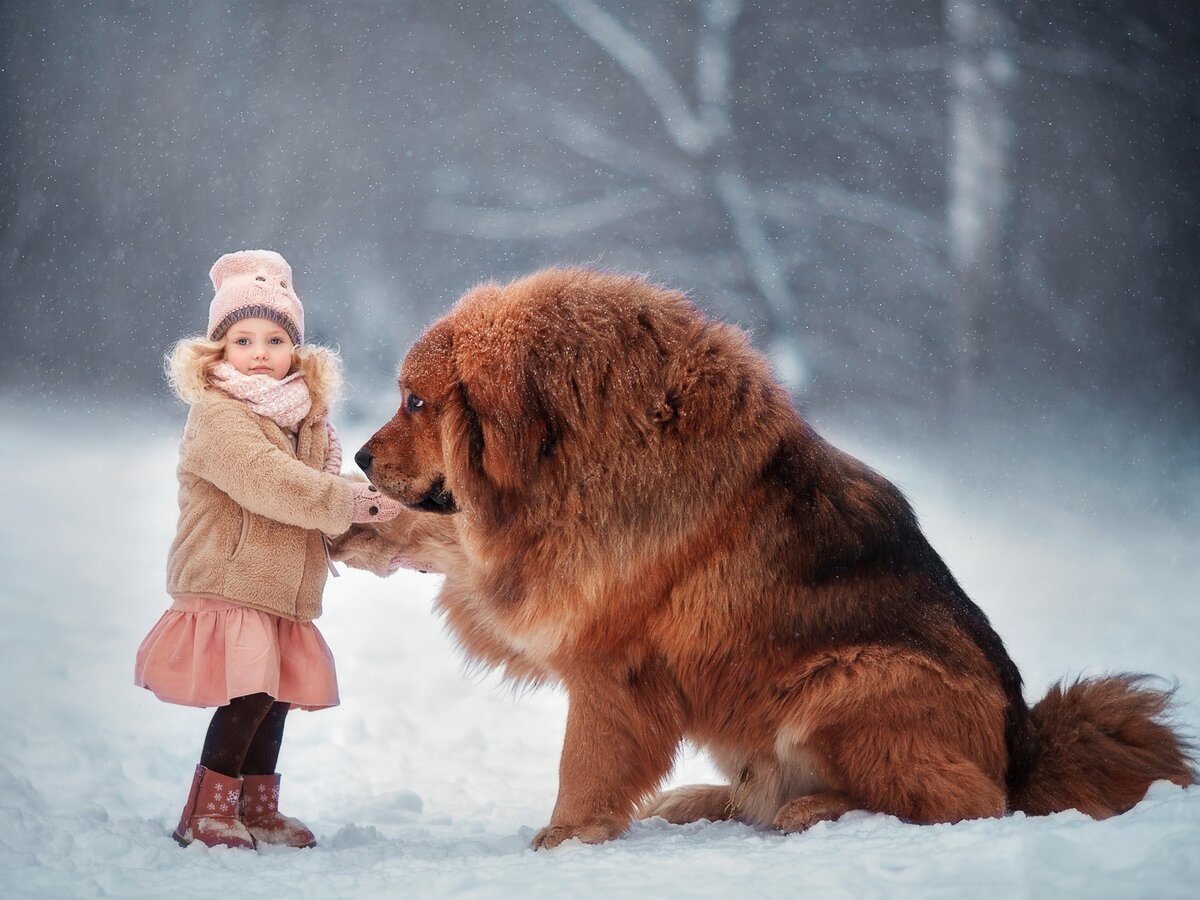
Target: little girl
259, 491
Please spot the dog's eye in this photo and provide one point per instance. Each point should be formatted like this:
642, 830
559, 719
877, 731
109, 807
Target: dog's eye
415, 403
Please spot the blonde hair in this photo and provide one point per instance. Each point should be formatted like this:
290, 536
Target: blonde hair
189, 363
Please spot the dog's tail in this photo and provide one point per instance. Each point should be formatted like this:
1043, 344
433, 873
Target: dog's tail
1101, 742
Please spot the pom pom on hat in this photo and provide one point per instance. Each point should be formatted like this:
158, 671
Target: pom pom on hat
254, 284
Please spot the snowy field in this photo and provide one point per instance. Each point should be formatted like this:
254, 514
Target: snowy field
429, 781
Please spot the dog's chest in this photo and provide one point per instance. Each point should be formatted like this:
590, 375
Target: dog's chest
552, 623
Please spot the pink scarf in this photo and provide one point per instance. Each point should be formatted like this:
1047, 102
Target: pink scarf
285, 401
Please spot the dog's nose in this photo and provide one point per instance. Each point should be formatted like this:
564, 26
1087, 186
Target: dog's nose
363, 457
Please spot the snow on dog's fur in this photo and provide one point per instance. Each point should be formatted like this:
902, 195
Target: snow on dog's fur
624, 501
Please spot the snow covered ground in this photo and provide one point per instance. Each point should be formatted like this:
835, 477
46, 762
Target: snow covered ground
429, 781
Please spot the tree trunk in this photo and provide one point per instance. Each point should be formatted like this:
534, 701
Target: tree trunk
979, 205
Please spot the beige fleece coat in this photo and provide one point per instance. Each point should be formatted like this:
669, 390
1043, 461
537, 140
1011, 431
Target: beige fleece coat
254, 508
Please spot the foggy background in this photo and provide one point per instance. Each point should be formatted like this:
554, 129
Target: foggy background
927, 213
964, 231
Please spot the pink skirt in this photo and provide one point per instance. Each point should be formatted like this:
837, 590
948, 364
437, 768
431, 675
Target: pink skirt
205, 652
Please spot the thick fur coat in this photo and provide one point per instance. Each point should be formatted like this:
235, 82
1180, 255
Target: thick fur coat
253, 504
624, 501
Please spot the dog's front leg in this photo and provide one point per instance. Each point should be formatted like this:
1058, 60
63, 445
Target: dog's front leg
412, 540
622, 732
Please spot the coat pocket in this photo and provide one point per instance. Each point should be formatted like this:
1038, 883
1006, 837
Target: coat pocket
242, 537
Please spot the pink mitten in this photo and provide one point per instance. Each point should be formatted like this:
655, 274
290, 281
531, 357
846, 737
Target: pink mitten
372, 506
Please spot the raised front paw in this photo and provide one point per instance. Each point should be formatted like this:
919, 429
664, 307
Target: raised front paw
553, 835
364, 548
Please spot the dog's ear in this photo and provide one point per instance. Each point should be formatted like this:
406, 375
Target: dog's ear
496, 421
499, 429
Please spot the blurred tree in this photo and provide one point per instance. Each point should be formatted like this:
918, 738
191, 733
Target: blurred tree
765, 222
979, 217
697, 122
901, 202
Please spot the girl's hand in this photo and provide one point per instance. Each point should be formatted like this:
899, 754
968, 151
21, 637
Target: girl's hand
372, 506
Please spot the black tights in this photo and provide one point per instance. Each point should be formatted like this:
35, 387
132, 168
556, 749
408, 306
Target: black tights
244, 737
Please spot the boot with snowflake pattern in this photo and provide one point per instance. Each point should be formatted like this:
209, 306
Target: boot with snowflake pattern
260, 812
211, 813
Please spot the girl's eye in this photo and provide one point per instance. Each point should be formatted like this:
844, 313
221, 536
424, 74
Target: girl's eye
276, 340
242, 342
415, 402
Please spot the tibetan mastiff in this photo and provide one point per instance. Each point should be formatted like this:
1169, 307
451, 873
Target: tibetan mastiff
624, 501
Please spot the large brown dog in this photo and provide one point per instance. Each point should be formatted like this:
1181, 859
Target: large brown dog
623, 500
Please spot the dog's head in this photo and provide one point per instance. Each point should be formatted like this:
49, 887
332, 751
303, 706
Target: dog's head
565, 393
469, 423
406, 458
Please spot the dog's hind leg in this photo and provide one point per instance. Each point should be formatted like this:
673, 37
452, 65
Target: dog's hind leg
934, 790
690, 803
901, 733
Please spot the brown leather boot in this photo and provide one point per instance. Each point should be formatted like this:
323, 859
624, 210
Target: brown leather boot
211, 813
260, 812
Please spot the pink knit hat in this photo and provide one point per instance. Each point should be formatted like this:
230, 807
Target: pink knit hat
254, 284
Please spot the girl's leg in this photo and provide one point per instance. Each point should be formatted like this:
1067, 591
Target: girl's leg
263, 753
211, 814
260, 798
232, 731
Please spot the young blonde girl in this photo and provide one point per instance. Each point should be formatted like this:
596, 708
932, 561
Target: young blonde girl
259, 495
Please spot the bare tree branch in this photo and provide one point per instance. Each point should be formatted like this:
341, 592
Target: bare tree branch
890, 62
686, 130
714, 64
552, 222
592, 142
1073, 325
837, 202
762, 262
1073, 62
1079, 63
694, 134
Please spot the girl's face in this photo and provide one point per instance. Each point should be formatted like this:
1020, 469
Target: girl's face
259, 347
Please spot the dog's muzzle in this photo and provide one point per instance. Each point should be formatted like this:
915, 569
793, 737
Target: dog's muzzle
438, 500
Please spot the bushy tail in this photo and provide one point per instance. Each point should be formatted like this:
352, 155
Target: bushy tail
1101, 743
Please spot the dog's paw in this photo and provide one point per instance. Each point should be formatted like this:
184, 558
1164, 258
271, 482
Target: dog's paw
803, 813
553, 835
363, 548
690, 803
